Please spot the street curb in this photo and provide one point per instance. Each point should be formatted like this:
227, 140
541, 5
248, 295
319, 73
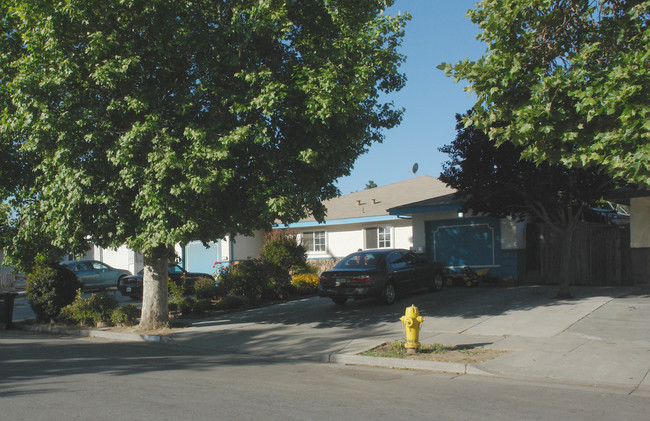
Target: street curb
92, 333
437, 366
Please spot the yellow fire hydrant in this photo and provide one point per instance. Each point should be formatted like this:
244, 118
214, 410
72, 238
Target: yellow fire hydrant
412, 321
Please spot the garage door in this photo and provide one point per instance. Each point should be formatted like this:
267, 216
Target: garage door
474, 242
199, 258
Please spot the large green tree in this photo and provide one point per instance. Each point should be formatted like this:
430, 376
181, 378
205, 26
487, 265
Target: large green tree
155, 122
570, 79
494, 180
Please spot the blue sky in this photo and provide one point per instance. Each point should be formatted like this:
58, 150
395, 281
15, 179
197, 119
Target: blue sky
438, 31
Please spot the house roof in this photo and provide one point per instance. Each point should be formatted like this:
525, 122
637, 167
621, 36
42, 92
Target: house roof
447, 202
373, 204
623, 195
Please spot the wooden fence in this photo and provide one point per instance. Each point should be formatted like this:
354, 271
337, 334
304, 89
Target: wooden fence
600, 255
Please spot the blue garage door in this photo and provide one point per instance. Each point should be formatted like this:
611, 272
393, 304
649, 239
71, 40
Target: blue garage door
474, 242
199, 258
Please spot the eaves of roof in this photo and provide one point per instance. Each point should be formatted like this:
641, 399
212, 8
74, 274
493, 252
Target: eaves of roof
434, 204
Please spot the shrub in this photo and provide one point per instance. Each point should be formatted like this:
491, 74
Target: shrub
305, 279
282, 254
125, 316
308, 268
201, 305
50, 287
186, 305
89, 311
246, 279
176, 290
207, 288
229, 301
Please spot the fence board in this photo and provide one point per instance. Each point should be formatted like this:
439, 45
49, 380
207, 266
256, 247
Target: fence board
600, 255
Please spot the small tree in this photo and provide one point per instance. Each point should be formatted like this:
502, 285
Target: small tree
495, 180
370, 185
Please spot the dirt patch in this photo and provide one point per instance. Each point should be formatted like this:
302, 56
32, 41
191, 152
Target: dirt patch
467, 354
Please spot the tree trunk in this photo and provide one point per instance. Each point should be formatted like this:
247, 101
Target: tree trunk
564, 278
155, 295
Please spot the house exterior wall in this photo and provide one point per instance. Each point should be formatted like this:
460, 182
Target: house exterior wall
341, 240
120, 258
640, 222
196, 257
509, 252
243, 247
640, 239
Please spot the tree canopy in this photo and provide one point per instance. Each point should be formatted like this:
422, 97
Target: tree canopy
567, 80
151, 123
494, 180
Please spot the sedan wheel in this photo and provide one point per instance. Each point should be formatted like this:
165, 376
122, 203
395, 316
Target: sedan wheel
390, 293
436, 285
339, 301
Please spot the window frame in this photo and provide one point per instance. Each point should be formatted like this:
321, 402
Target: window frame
378, 242
318, 242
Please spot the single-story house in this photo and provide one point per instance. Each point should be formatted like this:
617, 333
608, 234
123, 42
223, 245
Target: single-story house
419, 213
443, 233
361, 220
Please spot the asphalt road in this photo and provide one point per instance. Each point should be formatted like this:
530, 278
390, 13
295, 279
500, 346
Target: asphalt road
267, 364
47, 377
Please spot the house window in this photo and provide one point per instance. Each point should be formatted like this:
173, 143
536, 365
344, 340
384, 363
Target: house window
314, 241
378, 237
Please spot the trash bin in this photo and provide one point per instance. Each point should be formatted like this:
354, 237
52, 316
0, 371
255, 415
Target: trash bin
7, 309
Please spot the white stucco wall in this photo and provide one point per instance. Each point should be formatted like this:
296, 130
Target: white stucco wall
243, 247
640, 222
341, 240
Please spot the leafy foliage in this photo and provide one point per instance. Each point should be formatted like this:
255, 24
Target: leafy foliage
494, 180
207, 288
282, 254
89, 311
565, 80
246, 279
370, 185
50, 287
134, 118
126, 315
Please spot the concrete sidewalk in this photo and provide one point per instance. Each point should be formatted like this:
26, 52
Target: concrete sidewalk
592, 340
600, 338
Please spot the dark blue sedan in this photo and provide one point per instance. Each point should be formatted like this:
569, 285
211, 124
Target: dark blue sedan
379, 273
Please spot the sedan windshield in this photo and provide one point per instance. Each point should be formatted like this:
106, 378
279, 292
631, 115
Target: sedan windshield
360, 260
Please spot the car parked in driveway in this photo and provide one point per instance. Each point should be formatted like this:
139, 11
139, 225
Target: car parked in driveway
379, 273
131, 286
94, 274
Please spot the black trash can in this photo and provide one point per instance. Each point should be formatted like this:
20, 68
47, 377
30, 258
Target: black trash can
7, 309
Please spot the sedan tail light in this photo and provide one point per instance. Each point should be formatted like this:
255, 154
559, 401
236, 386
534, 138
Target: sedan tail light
358, 280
